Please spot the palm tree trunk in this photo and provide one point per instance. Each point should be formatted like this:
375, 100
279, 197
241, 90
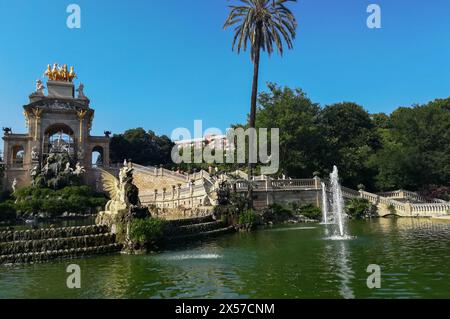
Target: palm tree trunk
252, 119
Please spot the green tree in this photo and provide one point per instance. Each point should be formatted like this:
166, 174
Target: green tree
145, 148
260, 24
351, 139
359, 208
416, 148
301, 141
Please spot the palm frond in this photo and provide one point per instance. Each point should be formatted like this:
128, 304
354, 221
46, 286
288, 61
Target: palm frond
262, 25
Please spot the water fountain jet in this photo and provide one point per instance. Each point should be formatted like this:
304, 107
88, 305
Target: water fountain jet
338, 204
324, 204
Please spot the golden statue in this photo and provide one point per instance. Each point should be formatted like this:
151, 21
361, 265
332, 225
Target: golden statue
48, 72
55, 72
72, 75
63, 73
60, 73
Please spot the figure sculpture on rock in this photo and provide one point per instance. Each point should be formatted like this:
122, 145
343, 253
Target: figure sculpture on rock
124, 203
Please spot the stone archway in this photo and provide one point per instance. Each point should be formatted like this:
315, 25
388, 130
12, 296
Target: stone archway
17, 156
59, 137
97, 156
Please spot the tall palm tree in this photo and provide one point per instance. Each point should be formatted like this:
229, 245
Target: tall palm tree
260, 24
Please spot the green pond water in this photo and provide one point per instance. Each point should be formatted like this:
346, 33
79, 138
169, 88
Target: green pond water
295, 261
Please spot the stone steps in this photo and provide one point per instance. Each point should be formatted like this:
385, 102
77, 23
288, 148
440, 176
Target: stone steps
42, 245
190, 221
211, 233
199, 228
47, 233
38, 257
30, 246
195, 228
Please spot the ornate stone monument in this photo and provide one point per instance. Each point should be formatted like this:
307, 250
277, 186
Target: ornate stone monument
56, 121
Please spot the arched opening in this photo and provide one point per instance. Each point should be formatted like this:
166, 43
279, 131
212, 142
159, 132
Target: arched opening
18, 154
97, 156
59, 138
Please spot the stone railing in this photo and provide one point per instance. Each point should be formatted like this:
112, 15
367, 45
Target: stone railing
408, 195
272, 185
430, 208
188, 197
387, 203
159, 171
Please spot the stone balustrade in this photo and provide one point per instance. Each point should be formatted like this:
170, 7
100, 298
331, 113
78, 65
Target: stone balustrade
195, 192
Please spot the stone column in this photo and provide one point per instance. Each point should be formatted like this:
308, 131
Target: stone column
178, 194
191, 191
408, 209
81, 115
37, 122
318, 187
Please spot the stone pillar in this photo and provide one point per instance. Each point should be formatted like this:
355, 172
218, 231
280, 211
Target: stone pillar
178, 194
81, 115
191, 192
318, 187
408, 209
37, 122
156, 195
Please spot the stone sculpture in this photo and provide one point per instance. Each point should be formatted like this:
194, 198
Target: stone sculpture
34, 154
124, 203
14, 185
80, 91
39, 87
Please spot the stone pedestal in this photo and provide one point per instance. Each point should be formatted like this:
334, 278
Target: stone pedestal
61, 89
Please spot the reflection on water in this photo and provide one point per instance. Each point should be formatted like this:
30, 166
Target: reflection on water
345, 272
191, 256
286, 262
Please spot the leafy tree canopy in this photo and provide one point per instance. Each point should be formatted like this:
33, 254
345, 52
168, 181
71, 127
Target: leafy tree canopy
142, 147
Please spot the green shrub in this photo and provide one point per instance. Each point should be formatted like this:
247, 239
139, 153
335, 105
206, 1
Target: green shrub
146, 231
248, 217
29, 206
310, 211
54, 206
71, 199
95, 202
278, 209
7, 211
359, 208
4, 196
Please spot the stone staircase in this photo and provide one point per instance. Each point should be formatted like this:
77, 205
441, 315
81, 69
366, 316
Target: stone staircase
33, 246
195, 228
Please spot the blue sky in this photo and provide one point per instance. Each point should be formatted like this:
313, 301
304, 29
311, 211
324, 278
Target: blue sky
163, 64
